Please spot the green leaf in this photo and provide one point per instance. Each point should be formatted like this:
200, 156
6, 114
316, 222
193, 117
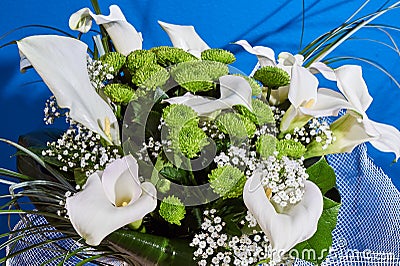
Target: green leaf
80, 176
317, 247
151, 249
175, 175
322, 174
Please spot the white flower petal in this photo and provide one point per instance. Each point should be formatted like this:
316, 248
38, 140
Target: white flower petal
235, 90
61, 62
388, 139
351, 83
303, 87
329, 103
185, 37
293, 118
121, 181
265, 55
94, 217
284, 230
81, 20
279, 96
349, 132
124, 36
326, 71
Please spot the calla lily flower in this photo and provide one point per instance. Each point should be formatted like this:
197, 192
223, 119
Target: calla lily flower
61, 63
355, 127
303, 84
185, 37
234, 90
294, 225
124, 36
109, 200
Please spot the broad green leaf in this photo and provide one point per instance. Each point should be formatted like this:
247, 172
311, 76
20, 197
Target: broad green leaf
322, 174
317, 247
151, 249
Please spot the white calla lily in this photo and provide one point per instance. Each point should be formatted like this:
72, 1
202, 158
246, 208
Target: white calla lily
124, 36
109, 200
303, 87
234, 90
185, 37
61, 63
295, 225
355, 127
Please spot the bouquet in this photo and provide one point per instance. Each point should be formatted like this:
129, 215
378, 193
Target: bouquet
172, 156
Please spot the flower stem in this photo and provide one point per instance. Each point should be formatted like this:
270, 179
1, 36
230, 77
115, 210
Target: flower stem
96, 6
105, 37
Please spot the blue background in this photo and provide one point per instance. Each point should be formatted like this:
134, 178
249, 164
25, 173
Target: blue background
276, 24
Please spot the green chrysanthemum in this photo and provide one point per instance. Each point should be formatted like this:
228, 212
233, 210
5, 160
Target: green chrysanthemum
167, 56
290, 148
198, 75
256, 88
172, 210
266, 145
140, 58
150, 76
179, 115
272, 77
261, 115
236, 125
114, 59
227, 181
218, 55
119, 93
191, 140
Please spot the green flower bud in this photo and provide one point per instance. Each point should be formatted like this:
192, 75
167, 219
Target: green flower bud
140, 58
261, 115
167, 56
191, 140
179, 115
218, 55
266, 145
172, 210
150, 77
272, 77
227, 181
119, 93
290, 148
236, 125
198, 75
113, 59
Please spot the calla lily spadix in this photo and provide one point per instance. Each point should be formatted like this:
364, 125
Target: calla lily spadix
234, 90
185, 37
61, 63
124, 36
355, 127
294, 225
110, 200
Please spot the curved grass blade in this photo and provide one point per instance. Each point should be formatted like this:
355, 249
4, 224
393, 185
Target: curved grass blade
365, 60
59, 177
350, 31
36, 26
10, 173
